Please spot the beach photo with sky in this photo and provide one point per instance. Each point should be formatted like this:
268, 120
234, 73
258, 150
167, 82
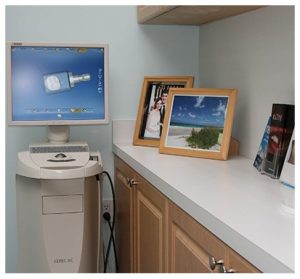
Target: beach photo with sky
197, 122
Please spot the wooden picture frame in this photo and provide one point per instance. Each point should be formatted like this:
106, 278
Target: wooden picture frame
198, 123
151, 111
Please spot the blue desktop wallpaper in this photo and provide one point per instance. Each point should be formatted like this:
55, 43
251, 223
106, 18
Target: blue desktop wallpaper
31, 101
199, 111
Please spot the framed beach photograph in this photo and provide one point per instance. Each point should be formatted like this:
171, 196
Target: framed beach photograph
152, 107
198, 123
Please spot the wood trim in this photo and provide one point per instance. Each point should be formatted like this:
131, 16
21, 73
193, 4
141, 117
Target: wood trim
146, 13
234, 147
188, 237
222, 154
179, 236
188, 82
177, 231
142, 200
189, 15
124, 216
239, 264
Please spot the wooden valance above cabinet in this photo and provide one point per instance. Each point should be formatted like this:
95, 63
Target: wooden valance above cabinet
188, 15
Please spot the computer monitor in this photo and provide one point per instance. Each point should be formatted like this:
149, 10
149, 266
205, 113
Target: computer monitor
57, 85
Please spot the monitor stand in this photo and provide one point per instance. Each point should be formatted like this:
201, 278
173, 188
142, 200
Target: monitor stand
58, 134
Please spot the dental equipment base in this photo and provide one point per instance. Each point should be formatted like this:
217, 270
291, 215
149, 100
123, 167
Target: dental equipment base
58, 209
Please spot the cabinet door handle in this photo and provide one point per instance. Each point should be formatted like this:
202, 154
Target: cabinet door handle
133, 182
213, 263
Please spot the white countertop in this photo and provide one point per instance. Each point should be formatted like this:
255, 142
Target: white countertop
236, 203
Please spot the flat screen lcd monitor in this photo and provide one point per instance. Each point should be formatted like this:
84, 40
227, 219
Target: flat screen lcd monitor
57, 84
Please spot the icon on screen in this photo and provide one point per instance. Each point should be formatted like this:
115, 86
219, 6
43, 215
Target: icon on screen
63, 81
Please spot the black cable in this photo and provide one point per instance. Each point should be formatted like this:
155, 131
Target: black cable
111, 226
106, 217
114, 246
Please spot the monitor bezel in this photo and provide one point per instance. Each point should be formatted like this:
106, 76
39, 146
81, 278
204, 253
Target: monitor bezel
9, 109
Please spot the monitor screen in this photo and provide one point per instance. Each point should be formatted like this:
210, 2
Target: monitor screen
57, 84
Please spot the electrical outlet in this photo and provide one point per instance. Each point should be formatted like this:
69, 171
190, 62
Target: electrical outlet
107, 206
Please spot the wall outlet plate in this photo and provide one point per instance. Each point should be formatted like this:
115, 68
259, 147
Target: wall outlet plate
107, 206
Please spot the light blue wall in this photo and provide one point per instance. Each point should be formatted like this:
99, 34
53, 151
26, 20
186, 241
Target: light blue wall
135, 51
253, 52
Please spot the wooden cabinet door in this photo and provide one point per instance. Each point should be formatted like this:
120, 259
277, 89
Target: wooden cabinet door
237, 264
124, 216
140, 222
190, 244
150, 227
155, 235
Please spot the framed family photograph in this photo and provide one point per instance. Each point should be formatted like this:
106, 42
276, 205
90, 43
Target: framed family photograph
198, 123
152, 107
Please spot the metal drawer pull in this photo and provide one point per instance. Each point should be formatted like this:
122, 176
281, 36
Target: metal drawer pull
130, 182
230, 270
213, 263
133, 182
